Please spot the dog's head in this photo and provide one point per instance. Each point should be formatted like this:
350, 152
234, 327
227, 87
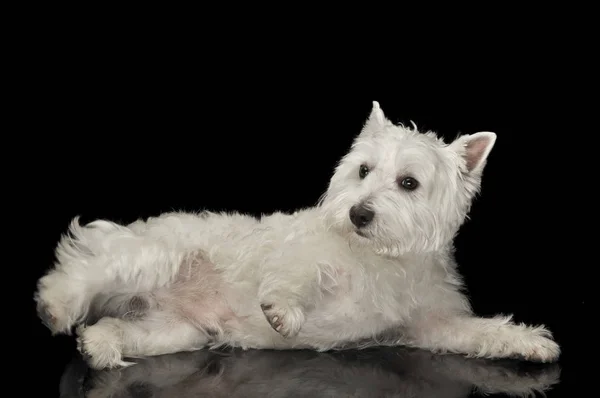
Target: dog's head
399, 190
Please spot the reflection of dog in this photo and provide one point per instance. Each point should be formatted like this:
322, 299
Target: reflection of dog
365, 373
375, 254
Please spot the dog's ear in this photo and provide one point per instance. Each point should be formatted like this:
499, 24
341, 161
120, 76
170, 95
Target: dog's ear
376, 117
376, 120
474, 149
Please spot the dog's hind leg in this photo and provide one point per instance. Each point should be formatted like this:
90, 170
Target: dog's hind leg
111, 341
103, 257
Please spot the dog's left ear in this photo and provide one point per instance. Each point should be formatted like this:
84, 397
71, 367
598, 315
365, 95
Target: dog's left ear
474, 149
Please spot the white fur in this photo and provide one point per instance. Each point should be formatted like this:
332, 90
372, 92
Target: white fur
181, 281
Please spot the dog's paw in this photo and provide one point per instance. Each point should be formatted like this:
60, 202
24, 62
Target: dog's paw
56, 307
100, 345
53, 317
285, 320
528, 343
541, 349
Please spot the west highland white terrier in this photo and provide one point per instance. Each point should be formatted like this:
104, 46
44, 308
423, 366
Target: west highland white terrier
374, 258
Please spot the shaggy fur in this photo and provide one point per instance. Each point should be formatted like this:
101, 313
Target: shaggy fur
375, 255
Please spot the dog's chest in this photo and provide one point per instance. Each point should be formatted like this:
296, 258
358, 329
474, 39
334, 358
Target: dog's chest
385, 295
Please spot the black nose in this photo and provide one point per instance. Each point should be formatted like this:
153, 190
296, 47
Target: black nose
361, 216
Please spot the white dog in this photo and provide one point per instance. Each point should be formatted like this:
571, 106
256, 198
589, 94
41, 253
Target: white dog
374, 257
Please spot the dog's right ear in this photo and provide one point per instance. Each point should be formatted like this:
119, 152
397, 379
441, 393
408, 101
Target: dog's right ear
376, 117
376, 120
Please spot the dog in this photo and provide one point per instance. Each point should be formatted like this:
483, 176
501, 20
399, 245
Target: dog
374, 256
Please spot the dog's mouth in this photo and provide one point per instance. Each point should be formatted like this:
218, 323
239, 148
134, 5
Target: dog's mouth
361, 233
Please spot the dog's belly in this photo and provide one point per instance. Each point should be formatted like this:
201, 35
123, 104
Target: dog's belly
199, 295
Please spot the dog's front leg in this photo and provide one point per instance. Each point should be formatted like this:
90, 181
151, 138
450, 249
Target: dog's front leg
287, 291
493, 338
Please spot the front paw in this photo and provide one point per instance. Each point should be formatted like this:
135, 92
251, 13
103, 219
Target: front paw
284, 319
528, 343
541, 349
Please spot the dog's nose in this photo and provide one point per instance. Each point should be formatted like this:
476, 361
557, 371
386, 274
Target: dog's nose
361, 216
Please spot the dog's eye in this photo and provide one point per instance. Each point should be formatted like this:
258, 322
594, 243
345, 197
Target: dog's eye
363, 171
409, 183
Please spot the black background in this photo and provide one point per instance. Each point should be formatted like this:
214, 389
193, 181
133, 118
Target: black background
135, 155
123, 139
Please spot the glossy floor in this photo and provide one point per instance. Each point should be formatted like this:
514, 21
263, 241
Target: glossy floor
381, 372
